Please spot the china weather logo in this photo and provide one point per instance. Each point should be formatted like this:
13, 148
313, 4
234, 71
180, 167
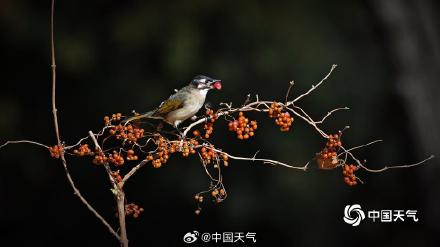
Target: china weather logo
353, 214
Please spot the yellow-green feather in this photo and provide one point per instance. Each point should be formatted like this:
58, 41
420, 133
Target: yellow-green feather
167, 107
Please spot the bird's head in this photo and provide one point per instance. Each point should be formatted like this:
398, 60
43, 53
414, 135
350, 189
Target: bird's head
204, 82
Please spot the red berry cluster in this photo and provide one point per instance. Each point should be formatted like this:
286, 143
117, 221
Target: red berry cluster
328, 153
188, 147
208, 154
161, 155
349, 176
114, 117
133, 210
334, 141
332, 146
131, 155
218, 194
243, 127
275, 110
116, 158
199, 199
100, 159
327, 158
209, 125
129, 133
83, 150
225, 159
283, 119
107, 120
55, 151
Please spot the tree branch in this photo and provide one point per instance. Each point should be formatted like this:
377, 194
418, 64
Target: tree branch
23, 141
57, 132
315, 86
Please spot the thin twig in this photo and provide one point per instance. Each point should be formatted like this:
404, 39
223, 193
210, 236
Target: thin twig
291, 83
77, 143
314, 86
106, 165
265, 161
360, 164
57, 132
396, 166
364, 145
133, 171
330, 113
24, 141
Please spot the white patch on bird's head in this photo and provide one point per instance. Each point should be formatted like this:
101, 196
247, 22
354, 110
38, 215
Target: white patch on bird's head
201, 83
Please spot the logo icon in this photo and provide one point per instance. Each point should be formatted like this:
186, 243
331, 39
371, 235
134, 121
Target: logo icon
190, 237
357, 211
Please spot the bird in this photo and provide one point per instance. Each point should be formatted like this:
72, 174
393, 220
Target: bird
184, 103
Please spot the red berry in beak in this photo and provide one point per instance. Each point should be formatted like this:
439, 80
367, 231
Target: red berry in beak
217, 85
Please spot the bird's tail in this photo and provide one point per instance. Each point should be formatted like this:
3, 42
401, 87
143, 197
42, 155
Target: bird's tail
149, 114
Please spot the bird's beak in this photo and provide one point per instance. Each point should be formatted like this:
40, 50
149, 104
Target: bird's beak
215, 84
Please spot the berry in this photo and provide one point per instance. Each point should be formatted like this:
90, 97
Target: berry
196, 133
243, 127
131, 155
116, 159
55, 151
328, 157
209, 125
100, 159
275, 110
348, 173
282, 119
107, 120
83, 150
208, 154
127, 133
133, 210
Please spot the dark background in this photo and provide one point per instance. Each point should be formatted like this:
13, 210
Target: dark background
115, 56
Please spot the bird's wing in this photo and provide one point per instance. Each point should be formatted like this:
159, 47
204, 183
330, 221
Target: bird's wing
168, 106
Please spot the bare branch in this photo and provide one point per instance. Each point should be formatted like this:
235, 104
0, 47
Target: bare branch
119, 196
360, 164
53, 68
307, 119
314, 86
396, 166
57, 132
291, 83
77, 143
133, 171
364, 145
24, 141
265, 161
106, 165
330, 113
